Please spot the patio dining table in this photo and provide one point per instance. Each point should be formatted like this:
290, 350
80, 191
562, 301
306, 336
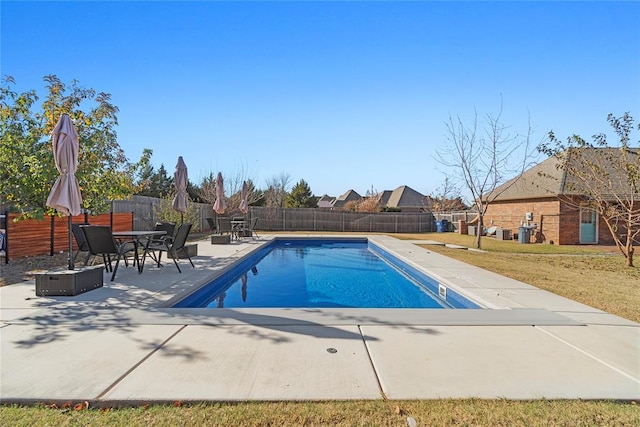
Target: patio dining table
141, 238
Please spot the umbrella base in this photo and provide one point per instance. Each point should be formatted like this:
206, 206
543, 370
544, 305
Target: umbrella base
69, 282
221, 239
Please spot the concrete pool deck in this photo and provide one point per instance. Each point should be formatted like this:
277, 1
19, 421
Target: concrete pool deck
118, 345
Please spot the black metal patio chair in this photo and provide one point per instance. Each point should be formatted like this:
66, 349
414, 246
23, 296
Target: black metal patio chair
81, 241
102, 243
250, 229
212, 225
224, 225
172, 246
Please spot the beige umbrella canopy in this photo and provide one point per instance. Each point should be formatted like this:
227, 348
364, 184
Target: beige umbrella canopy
219, 206
244, 195
181, 180
65, 194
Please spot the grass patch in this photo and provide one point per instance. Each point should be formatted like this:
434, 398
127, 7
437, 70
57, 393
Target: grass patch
509, 246
470, 412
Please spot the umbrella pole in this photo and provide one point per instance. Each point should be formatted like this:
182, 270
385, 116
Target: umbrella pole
181, 218
70, 245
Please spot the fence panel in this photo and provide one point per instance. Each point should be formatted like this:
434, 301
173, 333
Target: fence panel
30, 237
280, 219
143, 208
146, 214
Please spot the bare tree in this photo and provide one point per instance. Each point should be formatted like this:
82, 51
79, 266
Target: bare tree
232, 190
604, 179
447, 197
277, 189
484, 159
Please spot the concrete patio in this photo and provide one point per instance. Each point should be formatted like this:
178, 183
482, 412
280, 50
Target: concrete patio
119, 344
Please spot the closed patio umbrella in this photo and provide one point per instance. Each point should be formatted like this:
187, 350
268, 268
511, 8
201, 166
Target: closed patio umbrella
244, 195
65, 194
219, 206
181, 180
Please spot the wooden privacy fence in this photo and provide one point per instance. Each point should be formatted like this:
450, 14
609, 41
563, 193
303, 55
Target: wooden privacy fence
280, 219
29, 237
48, 236
146, 213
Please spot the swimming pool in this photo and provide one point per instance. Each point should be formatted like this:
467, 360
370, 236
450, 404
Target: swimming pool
323, 273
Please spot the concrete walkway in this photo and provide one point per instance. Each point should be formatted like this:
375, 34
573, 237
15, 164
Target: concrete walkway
120, 344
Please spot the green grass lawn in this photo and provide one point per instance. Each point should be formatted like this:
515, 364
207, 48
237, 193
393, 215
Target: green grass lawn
594, 276
471, 412
585, 274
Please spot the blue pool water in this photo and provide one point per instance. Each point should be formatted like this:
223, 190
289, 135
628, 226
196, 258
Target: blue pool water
320, 273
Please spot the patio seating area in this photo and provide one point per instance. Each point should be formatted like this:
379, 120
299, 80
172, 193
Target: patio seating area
120, 344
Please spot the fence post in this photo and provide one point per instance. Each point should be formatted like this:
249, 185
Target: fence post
52, 237
6, 236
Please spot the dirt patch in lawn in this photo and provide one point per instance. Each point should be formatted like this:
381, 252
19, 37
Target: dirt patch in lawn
21, 269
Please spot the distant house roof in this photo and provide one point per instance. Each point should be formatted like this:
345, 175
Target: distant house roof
349, 196
405, 196
401, 197
549, 178
384, 197
326, 201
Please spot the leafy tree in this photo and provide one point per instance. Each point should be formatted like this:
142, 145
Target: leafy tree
26, 165
163, 211
605, 179
300, 196
144, 173
29, 172
484, 160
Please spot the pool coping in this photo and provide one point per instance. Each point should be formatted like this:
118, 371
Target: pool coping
456, 298
118, 345
485, 314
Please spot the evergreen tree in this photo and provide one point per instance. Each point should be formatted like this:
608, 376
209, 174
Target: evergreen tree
300, 196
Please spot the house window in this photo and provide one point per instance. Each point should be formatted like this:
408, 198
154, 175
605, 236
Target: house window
587, 216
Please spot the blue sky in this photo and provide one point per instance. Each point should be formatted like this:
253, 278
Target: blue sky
341, 94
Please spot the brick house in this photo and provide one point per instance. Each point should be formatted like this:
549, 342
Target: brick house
542, 197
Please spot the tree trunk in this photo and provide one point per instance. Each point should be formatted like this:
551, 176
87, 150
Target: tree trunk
478, 242
626, 248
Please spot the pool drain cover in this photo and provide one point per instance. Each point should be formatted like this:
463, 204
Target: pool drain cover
332, 350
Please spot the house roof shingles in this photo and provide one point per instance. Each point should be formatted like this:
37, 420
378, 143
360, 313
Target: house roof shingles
549, 179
